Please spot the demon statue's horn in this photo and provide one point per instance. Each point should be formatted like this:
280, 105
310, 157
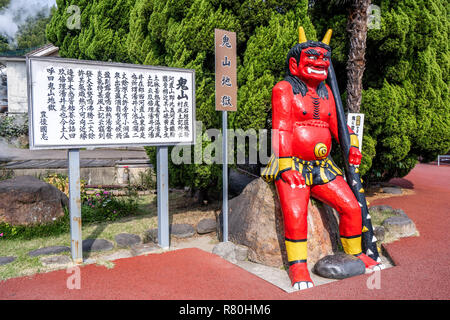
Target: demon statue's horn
327, 37
301, 35
369, 244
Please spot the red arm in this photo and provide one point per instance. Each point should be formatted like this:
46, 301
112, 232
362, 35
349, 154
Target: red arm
281, 119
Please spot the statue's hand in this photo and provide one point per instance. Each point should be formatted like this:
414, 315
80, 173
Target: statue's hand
293, 178
354, 156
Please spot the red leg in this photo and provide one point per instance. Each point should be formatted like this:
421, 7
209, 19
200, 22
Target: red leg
338, 195
294, 204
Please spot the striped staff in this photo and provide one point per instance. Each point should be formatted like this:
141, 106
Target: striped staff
369, 241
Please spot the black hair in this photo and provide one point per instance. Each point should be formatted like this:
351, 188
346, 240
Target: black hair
298, 86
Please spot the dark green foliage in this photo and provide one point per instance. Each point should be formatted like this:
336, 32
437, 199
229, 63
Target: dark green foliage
406, 83
405, 96
102, 34
32, 33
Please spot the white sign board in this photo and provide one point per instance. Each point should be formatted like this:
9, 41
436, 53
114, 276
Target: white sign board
76, 103
356, 122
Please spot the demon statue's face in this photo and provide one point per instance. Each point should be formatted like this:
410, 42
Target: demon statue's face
312, 66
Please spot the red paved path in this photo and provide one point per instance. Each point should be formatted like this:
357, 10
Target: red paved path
422, 270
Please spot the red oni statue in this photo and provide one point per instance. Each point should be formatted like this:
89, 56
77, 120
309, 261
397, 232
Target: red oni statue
304, 121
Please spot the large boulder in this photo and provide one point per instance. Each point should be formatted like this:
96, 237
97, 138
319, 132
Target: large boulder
27, 200
255, 221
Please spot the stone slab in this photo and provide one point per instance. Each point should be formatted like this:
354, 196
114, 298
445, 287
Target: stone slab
48, 250
206, 226
125, 240
143, 248
55, 260
6, 260
91, 245
182, 230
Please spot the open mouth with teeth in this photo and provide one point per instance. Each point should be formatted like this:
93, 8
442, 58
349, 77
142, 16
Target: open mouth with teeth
320, 71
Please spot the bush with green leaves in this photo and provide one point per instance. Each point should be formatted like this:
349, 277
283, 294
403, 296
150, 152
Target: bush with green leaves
406, 98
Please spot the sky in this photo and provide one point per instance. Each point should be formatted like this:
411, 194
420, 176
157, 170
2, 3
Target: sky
18, 11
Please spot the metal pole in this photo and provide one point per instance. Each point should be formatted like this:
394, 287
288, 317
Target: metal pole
162, 162
225, 175
73, 156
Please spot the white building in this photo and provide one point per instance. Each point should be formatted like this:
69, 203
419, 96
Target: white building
16, 73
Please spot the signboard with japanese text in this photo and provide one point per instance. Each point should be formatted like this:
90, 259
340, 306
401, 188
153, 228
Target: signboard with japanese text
226, 79
76, 104
356, 122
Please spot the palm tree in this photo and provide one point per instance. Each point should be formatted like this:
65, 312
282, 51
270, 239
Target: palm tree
356, 63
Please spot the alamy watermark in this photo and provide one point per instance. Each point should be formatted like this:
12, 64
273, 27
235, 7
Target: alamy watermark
74, 280
244, 147
74, 20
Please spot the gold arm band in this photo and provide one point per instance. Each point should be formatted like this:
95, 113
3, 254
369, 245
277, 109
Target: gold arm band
354, 142
285, 163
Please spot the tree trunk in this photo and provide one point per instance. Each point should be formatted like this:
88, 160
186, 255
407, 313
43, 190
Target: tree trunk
357, 27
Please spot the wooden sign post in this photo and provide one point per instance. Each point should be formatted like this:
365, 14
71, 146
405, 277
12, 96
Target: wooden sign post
226, 100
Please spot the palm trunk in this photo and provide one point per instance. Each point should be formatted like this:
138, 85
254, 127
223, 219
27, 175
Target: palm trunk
357, 27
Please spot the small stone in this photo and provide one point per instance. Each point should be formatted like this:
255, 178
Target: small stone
400, 212
379, 232
125, 240
380, 208
182, 230
151, 236
138, 249
339, 266
241, 252
392, 190
226, 250
206, 226
48, 250
56, 260
400, 226
6, 260
97, 245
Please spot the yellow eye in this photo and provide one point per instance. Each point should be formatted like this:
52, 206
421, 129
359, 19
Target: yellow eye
312, 57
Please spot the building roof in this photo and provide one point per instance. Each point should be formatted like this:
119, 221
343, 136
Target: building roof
44, 51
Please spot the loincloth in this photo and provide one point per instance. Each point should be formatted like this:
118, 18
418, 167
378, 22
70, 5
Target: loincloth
314, 172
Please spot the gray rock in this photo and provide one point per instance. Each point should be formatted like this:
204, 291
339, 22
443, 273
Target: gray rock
400, 212
241, 252
125, 240
182, 230
26, 200
381, 207
48, 250
6, 260
392, 190
226, 250
339, 266
56, 260
379, 233
151, 236
400, 226
91, 245
237, 181
206, 226
138, 249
